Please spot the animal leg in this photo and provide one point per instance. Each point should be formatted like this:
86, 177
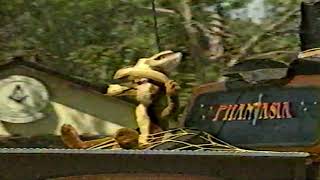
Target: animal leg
71, 139
144, 123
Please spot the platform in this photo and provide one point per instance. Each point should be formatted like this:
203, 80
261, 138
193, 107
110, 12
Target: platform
103, 164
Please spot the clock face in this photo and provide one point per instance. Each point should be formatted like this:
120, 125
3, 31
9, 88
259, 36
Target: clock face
22, 99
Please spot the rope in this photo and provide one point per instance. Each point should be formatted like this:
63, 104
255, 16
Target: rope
156, 26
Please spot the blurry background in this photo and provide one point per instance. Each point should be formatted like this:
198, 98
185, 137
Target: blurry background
92, 39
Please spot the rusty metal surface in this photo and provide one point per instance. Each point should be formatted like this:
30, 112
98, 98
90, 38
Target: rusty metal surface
244, 153
123, 176
54, 163
257, 70
304, 80
295, 83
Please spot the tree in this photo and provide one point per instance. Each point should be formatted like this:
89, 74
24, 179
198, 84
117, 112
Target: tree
92, 39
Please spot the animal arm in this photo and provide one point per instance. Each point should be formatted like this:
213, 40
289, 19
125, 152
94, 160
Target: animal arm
142, 73
167, 110
118, 90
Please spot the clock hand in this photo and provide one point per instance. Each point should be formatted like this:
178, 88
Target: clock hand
18, 94
20, 100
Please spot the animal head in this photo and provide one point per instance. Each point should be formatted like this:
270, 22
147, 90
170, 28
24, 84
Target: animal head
165, 61
155, 67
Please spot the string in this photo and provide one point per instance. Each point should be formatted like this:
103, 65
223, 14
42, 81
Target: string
156, 32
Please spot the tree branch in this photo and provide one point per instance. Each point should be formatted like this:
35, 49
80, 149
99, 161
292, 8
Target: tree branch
203, 28
271, 53
186, 13
148, 10
255, 39
193, 37
160, 11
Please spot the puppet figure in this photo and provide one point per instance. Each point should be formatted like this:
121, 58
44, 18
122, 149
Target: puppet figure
146, 79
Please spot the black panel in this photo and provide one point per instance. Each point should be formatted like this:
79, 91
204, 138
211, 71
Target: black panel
310, 25
44, 164
301, 130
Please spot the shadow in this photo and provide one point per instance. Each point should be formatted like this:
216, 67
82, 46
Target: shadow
48, 125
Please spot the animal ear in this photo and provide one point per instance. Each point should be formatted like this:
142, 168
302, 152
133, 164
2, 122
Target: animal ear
156, 56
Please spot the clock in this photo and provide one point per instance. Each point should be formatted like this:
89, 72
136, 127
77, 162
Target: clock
22, 99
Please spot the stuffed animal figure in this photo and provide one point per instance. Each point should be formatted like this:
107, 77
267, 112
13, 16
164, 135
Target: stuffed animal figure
145, 81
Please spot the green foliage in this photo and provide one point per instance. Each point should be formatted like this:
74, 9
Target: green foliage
97, 37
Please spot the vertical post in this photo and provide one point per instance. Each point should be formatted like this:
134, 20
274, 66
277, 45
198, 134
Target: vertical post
156, 32
310, 25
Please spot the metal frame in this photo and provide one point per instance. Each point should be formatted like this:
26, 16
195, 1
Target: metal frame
53, 163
